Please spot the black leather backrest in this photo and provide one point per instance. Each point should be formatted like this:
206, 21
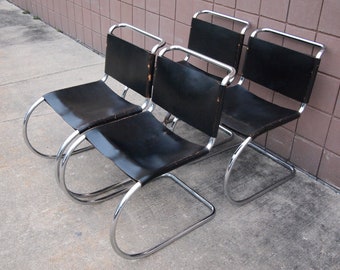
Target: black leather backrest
129, 64
281, 69
215, 41
190, 95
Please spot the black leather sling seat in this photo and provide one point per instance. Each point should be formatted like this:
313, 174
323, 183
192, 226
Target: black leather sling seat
143, 147
88, 105
101, 103
257, 117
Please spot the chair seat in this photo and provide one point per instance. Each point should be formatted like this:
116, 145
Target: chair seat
101, 103
257, 117
143, 147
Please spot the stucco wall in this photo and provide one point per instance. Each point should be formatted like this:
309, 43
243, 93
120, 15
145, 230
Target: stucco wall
313, 141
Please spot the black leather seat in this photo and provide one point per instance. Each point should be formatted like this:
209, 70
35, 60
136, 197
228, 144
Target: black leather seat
280, 69
144, 149
91, 104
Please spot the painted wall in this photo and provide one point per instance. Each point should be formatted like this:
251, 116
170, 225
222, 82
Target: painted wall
313, 141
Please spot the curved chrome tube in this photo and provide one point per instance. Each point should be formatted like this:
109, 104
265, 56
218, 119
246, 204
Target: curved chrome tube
318, 55
231, 71
270, 187
244, 29
302, 107
154, 49
86, 198
25, 124
171, 239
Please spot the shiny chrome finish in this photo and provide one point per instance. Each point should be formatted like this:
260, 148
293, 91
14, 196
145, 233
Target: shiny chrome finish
231, 71
321, 46
171, 239
244, 29
154, 49
25, 124
270, 187
302, 107
210, 143
92, 197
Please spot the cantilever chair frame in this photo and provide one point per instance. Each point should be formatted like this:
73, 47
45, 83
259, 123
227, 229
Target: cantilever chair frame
249, 140
146, 104
157, 175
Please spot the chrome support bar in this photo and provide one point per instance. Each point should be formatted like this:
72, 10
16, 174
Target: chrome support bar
321, 46
171, 239
86, 198
231, 71
154, 49
244, 29
270, 187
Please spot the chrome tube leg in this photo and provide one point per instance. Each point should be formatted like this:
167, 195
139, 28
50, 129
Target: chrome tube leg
232, 161
231, 164
171, 239
68, 142
92, 197
25, 127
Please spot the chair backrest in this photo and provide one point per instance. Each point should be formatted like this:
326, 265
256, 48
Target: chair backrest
189, 94
220, 43
284, 70
130, 64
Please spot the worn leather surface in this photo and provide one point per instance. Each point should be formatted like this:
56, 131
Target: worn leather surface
215, 41
88, 105
281, 69
143, 147
129, 64
249, 115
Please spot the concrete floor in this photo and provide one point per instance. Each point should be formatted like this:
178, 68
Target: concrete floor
295, 226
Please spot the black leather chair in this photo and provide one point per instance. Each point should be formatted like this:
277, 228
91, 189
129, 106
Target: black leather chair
91, 104
223, 43
286, 71
145, 149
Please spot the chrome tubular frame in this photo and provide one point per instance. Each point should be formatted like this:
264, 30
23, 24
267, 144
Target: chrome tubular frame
171, 239
303, 40
154, 48
92, 197
270, 187
231, 71
246, 24
62, 148
25, 126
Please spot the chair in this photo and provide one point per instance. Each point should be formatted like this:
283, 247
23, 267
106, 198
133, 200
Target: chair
280, 69
145, 149
91, 104
218, 42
